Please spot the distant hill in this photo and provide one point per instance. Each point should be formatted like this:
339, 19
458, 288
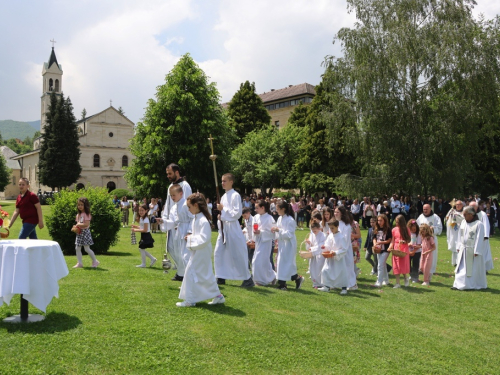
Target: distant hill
16, 129
35, 124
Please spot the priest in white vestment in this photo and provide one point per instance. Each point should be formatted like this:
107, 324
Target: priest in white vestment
470, 272
231, 254
434, 221
488, 260
453, 220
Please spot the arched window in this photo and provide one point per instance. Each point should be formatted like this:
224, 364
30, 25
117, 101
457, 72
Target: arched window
57, 85
124, 161
51, 84
97, 161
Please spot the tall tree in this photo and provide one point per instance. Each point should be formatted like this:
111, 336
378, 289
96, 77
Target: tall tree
323, 155
84, 113
266, 156
120, 109
59, 164
5, 173
176, 128
422, 77
246, 111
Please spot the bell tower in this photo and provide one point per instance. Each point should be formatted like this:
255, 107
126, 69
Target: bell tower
52, 82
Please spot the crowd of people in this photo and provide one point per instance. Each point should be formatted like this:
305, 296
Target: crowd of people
253, 228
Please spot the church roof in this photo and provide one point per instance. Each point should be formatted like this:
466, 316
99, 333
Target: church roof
52, 59
8, 154
288, 92
97, 114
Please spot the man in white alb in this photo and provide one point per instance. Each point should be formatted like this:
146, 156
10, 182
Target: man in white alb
434, 221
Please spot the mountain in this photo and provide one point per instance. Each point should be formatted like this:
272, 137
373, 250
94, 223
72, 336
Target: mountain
16, 129
35, 124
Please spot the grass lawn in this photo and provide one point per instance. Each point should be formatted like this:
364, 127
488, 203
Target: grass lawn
119, 319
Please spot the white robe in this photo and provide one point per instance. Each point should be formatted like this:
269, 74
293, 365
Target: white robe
248, 230
488, 260
262, 270
186, 192
231, 256
199, 281
453, 220
317, 261
335, 270
287, 248
470, 272
346, 231
178, 224
433, 221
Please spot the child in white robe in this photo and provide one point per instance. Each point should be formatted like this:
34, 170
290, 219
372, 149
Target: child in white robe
178, 224
248, 233
231, 255
199, 281
287, 247
334, 273
313, 244
262, 270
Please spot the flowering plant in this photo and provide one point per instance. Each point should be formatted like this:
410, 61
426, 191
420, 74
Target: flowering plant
5, 217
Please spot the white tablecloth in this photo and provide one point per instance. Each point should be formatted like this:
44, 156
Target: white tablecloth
31, 268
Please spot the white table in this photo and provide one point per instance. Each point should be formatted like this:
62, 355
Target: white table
31, 268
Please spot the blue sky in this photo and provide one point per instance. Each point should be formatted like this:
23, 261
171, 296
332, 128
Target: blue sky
122, 50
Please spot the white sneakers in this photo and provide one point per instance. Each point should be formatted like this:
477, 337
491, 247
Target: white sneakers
407, 282
396, 286
217, 300
343, 292
185, 304
324, 289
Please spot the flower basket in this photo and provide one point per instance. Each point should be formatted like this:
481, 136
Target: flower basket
399, 253
304, 254
5, 233
327, 254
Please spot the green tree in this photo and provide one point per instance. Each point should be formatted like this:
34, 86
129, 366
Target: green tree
266, 156
84, 113
60, 149
176, 128
5, 173
323, 155
246, 111
121, 111
422, 79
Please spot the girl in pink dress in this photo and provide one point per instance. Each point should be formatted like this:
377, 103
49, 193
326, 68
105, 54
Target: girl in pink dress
400, 240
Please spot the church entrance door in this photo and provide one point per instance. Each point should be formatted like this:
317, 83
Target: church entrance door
110, 186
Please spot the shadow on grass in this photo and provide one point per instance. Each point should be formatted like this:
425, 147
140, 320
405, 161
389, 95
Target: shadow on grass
419, 290
223, 309
118, 254
54, 322
254, 289
487, 290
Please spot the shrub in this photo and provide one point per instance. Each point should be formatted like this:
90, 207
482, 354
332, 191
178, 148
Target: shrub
122, 192
283, 194
105, 224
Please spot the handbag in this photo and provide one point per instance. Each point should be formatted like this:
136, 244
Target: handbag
133, 239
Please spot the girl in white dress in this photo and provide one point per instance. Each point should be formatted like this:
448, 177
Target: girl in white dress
262, 269
287, 247
199, 281
335, 273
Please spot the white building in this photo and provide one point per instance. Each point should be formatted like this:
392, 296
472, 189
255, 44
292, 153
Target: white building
104, 140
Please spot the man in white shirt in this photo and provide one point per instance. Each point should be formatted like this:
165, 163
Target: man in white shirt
395, 208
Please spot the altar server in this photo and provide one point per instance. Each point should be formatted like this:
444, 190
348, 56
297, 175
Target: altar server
287, 247
488, 260
262, 270
177, 224
314, 243
199, 281
335, 270
453, 220
231, 254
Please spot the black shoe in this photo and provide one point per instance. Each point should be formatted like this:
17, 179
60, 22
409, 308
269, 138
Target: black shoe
298, 282
283, 288
247, 283
453, 288
177, 278
221, 281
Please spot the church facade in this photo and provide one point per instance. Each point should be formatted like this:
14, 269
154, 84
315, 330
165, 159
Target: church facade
104, 140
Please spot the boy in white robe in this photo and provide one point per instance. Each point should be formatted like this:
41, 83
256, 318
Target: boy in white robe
248, 233
177, 223
231, 254
313, 244
335, 270
470, 272
488, 260
453, 220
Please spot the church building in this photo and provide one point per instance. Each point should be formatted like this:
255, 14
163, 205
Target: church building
104, 140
